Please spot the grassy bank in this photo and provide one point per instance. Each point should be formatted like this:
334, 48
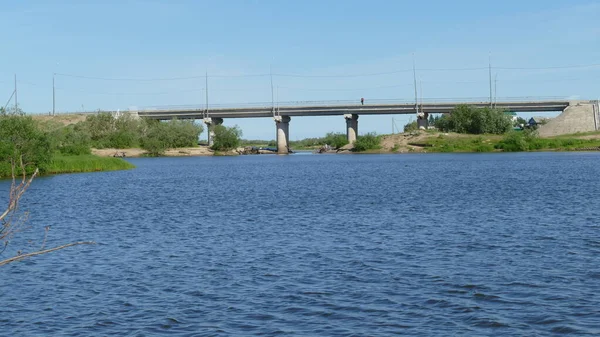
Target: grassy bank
433, 141
86, 163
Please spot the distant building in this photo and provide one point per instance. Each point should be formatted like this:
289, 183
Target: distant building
534, 122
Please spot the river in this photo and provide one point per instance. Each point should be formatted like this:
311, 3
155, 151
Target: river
314, 245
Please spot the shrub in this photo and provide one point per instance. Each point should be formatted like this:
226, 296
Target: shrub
226, 138
336, 140
370, 141
473, 120
183, 133
20, 137
72, 141
513, 142
106, 130
412, 126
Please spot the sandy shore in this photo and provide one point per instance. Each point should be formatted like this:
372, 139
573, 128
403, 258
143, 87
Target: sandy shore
180, 152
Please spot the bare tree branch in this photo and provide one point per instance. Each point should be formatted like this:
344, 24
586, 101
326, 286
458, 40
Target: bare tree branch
40, 252
12, 222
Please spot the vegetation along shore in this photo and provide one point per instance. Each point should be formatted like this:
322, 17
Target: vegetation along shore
88, 143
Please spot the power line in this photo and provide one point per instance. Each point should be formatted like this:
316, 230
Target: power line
346, 89
391, 72
550, 67
157, 79
128, 93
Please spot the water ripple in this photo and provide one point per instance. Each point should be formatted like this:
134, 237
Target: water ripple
498, 244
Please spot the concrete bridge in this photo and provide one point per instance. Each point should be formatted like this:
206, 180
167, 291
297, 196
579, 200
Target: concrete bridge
350, 111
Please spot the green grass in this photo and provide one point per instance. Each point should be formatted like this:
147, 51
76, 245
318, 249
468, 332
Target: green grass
470, 143
86, 163
511, 142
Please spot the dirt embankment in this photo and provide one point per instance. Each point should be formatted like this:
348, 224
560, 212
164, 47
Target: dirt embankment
64, 119
405, 142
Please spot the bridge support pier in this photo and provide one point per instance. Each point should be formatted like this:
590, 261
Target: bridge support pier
283, 134
351, 127
210, 126
423, 120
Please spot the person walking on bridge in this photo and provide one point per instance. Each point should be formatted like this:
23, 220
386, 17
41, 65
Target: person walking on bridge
362, 101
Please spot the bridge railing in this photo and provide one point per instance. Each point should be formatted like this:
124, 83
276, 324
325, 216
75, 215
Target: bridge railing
323, 103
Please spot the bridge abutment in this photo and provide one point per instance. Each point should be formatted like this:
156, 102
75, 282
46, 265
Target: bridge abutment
423, 120
134, 113
282, 124
351, 127
210, 126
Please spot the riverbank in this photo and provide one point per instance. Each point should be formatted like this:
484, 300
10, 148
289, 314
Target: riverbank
136, 152
86, 163
77, 164
433, 141
417, 142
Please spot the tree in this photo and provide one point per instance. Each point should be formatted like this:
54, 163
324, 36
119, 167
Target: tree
370, 141
12, 221
431, 120
473, 120
336, 140
412, 126
21, 139
159, 136
226, 138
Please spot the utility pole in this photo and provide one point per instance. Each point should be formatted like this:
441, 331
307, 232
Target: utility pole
421, 90
53, 95
415, 80
16, 98
277, 97
495, 90
272, 94
490, 76
206, 92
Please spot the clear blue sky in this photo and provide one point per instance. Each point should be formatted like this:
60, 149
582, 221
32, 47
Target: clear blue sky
167, 39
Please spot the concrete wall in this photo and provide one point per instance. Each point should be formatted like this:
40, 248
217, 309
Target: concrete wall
575, 118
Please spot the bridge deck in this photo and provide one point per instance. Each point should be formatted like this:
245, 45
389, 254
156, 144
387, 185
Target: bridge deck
333, 110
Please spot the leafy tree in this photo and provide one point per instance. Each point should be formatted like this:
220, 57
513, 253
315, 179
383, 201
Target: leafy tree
226, 138
431, 120
370, 141
155, 139
159, 136
412, 126
336, 140
473, 120
70, 140
106, 130
20, 138
183, 133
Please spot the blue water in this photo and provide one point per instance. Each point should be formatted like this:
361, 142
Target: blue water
314, 245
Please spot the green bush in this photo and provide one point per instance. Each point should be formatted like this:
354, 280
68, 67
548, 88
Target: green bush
183, 133
20, 137
226, 138
336, 140
473, 120
370, 141
105, 130
412, 126
72, 141
513, 142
